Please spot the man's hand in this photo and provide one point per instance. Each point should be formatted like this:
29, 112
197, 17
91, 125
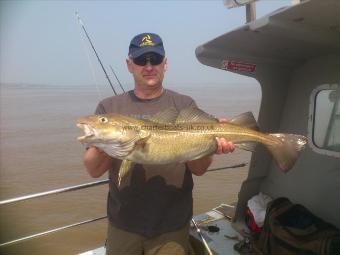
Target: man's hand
224, 146
97, 162
200, 166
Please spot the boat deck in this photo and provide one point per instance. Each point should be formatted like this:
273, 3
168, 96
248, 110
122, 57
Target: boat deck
216, 229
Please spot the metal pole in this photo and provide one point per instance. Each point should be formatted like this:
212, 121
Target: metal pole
51, 231
227, 167
86, 185
251, 12
100, 62
201, 236
56, 191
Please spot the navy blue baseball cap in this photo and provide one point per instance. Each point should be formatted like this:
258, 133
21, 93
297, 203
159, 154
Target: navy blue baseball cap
144, 43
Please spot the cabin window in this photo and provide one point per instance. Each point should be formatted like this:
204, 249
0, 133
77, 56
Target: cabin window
326, 119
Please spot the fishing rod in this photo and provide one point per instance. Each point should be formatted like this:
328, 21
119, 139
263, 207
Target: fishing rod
198, 230
227, 167
100, 62
117, 79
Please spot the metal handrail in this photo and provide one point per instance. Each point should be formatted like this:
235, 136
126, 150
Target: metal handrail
67, 189
51, 192
55, 191
86, 185
51, 231
228, 167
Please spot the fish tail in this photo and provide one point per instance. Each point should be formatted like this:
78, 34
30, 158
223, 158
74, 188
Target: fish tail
287, 149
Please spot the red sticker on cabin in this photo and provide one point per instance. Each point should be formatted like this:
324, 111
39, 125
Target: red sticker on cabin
238, 66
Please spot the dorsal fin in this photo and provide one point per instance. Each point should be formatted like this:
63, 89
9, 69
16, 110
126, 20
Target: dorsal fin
165, 117
193, 114
245, 120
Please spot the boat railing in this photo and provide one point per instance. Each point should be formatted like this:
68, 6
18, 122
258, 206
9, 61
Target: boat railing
52, 192
69, 189
48, 193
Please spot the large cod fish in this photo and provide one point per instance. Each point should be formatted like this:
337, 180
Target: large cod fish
172, 136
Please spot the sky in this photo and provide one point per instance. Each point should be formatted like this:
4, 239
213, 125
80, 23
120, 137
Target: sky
41, 42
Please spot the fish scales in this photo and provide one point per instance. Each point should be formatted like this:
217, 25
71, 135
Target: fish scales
160, 147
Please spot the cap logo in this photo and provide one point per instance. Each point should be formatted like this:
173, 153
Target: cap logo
146, 41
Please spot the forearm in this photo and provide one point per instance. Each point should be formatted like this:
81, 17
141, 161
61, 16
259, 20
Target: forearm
97, 162
199, 166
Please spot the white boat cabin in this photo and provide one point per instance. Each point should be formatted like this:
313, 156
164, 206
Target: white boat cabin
294, 53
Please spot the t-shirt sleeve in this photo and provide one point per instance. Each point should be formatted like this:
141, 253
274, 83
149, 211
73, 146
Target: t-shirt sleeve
183, 101
100, 109
189, 102
193, 103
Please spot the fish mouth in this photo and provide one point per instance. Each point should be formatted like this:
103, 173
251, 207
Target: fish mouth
89, 131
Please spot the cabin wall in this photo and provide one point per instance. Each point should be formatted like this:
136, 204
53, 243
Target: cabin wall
315, 179
273, 81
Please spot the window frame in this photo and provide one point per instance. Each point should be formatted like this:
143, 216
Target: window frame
311, 120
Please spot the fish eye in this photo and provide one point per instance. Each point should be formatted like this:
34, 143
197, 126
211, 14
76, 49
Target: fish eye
103, 119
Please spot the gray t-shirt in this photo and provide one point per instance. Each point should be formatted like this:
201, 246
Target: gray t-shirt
157, 198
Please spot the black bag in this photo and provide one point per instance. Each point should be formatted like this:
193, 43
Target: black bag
292, 229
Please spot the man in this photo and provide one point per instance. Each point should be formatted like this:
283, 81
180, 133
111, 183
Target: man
150, 214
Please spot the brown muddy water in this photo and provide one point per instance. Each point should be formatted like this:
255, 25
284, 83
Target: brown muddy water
39, 152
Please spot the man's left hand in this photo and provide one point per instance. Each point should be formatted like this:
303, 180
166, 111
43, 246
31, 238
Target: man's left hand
224, 146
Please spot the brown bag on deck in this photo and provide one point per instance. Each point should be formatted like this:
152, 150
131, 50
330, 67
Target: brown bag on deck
292, 229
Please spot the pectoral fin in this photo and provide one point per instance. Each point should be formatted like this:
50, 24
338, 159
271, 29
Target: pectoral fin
125, 167
122, 149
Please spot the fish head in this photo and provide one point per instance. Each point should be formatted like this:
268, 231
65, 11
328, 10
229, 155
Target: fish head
100, 129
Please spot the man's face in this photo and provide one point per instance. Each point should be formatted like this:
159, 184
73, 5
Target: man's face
148, 70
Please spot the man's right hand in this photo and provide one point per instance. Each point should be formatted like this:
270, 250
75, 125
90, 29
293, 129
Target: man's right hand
97, 162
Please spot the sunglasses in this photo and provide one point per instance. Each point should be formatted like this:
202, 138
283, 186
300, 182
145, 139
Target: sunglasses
153, 59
